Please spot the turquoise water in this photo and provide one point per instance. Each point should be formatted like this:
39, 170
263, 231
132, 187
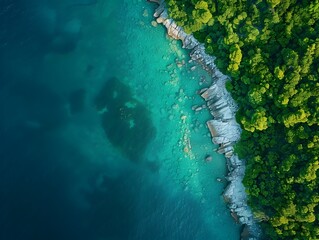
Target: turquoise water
76, 174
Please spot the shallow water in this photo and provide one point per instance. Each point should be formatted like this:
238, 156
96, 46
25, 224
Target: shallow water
61, 174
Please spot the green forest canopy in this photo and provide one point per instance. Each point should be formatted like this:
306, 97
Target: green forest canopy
271, 51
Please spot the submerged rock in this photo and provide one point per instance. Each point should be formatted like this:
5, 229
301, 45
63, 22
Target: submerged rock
126, 121
208, 158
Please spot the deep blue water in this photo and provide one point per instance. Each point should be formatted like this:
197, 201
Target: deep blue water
37, 171
60, 176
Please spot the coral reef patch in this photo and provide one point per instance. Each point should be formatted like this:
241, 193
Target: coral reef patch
125, 120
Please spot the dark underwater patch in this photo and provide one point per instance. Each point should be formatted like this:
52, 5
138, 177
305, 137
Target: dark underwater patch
77, 100
31, 108
125, 120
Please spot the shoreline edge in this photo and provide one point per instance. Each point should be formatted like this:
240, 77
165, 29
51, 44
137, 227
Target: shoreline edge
224, 129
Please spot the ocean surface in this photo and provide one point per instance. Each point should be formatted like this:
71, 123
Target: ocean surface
98, 137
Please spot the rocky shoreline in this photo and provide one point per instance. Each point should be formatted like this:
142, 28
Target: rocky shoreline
224, 129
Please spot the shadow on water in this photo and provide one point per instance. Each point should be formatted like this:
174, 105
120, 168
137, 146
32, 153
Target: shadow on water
125, 120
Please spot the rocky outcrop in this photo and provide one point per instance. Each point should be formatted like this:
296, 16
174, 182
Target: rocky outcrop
224, 129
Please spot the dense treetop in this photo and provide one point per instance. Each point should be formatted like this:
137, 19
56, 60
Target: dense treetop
271, 51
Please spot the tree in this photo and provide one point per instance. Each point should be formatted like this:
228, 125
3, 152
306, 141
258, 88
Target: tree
271, 51
273, 3
291, 119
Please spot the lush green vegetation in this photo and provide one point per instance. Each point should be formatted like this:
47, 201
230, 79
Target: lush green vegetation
271, 51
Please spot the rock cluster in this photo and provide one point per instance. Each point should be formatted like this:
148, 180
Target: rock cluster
224, 129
